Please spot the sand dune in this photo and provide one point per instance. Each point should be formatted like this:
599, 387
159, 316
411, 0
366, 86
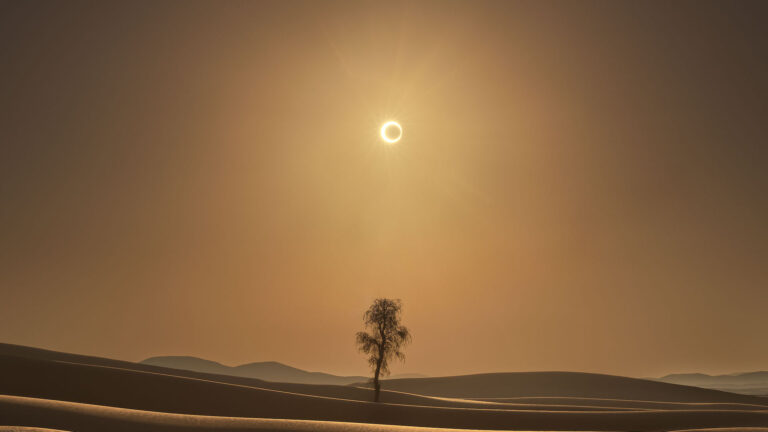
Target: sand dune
335, 391
123, 395
158, 393
43, 354
60, 378
627, 404
746, 429
22, 381
751, 383
515, 388
87, 417
561, 384
26, 429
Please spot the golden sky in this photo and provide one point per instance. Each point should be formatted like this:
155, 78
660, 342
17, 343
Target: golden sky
580, 185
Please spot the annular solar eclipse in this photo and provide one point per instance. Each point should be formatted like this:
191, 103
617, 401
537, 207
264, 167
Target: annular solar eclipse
391, 132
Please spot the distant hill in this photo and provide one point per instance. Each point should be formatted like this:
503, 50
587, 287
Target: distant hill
407, 375
187, 363
750, 383
269, 371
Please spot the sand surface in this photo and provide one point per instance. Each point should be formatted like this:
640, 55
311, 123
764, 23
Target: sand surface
760, 429
560, 384
68, 395
85, 417
26, 429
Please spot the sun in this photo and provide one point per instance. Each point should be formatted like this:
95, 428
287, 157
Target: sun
391, 132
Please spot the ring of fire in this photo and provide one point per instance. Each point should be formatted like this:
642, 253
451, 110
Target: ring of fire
388, 127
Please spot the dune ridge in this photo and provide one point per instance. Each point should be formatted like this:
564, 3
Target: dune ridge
624, 403
87, 418
92, 418
94, 388
560, 384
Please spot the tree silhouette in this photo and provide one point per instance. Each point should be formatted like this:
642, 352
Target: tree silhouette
384, 339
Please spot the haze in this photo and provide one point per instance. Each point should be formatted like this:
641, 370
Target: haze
579, 187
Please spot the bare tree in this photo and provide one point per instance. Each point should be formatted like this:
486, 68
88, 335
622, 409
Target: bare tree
384, 339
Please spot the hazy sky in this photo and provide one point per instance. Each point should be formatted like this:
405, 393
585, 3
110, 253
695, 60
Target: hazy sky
580, 186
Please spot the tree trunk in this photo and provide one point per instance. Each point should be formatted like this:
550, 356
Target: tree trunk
379, 361
376, 384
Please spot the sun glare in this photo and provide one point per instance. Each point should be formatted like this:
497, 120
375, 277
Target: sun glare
391, 132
